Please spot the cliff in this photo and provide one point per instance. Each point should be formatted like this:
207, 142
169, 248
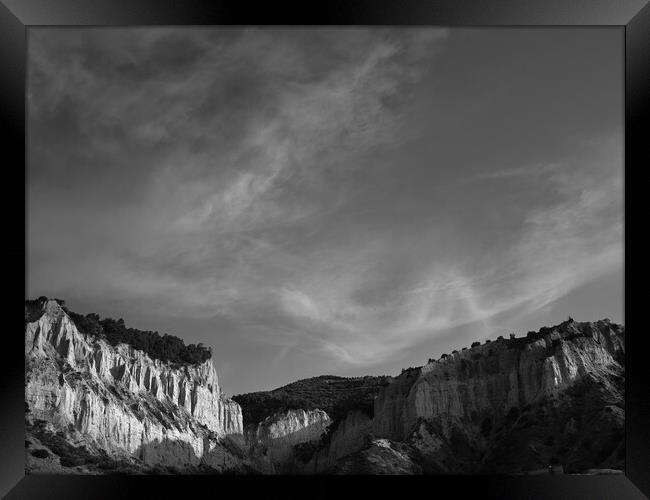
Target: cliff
490, 379
349, 436
272, 442
122, 401
504, 406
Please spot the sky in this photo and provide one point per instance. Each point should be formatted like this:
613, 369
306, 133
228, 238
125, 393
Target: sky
346, 201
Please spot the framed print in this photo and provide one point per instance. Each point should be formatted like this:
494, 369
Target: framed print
372, 242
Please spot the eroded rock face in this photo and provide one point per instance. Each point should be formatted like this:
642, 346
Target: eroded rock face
124, 400
488, 380
273, 440
505, 406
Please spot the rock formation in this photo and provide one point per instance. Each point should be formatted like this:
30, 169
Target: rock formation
459, 412
123, 400
490, 379
349, 437
272, 441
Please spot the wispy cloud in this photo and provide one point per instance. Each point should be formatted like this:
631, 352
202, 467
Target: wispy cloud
529, 172
285, 118
560, 247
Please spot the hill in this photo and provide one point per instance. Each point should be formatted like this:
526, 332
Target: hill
335, 395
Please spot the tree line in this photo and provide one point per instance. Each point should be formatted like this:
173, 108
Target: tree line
164, 347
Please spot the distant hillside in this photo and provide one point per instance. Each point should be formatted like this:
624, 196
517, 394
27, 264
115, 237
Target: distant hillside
334, 395
163, 347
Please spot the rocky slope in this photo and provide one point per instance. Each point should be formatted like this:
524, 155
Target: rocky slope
119, 400
555, 396
350, 435
272, 442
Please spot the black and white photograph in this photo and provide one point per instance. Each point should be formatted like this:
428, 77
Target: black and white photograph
305, 250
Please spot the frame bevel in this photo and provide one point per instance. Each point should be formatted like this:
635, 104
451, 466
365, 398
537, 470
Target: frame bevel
632, 16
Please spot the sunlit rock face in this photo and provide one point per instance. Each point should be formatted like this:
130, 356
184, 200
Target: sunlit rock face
272, 441
555, 396
122, 399
490, 379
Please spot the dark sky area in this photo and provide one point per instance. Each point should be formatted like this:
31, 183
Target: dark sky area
327, 201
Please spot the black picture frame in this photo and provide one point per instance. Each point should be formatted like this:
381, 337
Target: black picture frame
16, 16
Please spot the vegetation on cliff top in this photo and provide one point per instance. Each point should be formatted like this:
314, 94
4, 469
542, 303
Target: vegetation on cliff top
334, 395
569, 328
163, 347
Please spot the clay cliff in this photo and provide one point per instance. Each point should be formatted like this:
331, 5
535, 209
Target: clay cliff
553, 397
121, 401
272, 442
488, 380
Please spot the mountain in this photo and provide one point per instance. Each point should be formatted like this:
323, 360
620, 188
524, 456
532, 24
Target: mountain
98, 405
